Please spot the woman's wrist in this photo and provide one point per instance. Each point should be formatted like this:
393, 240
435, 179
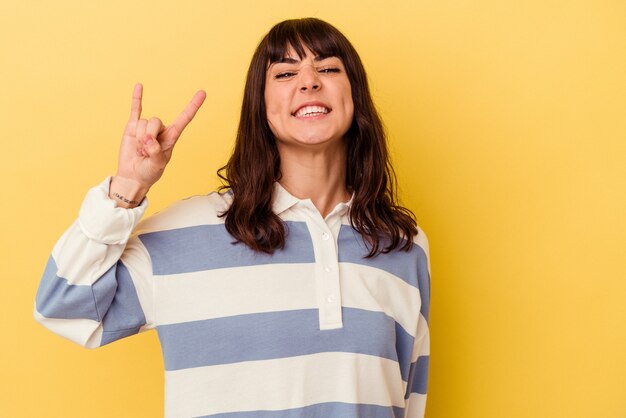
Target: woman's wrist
127, 193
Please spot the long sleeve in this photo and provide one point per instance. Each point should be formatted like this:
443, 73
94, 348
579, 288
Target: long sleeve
96, 287
418, 374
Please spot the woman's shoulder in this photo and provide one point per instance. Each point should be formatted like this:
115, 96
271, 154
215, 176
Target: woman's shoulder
191, 211
421, 239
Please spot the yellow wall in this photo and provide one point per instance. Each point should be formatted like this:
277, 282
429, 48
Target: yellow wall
508, 129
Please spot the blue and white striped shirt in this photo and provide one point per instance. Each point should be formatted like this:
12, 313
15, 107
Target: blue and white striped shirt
314, 330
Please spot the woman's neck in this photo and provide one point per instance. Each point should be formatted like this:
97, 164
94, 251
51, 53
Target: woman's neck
316, 174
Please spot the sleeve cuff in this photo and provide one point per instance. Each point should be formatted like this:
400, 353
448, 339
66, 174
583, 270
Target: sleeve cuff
103, 221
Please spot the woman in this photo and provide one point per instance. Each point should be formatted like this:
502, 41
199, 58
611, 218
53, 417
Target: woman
292, 293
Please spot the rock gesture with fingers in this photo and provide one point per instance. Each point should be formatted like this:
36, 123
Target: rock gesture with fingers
146, 149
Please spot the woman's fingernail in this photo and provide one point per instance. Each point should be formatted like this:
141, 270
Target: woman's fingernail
148, 139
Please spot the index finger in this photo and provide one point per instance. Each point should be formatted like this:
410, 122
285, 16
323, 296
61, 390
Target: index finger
189, 112
135, 106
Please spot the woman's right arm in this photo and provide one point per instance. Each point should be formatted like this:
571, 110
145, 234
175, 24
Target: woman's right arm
96, 287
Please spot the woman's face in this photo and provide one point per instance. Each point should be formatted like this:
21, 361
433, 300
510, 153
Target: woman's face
309, 100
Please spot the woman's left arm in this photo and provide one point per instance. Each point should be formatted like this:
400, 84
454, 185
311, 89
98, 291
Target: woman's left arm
418, 374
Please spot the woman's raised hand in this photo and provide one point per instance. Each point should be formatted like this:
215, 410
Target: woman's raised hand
146, 149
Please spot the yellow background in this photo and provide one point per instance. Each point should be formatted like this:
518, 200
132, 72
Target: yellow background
507, 124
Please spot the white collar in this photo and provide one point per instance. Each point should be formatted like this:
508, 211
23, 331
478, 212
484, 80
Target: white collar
283, 200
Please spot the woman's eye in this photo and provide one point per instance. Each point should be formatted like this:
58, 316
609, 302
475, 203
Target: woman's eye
286, 74
330, 70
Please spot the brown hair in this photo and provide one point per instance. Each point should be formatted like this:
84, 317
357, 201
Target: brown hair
255, 163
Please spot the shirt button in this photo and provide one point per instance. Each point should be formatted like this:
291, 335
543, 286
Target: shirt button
325, 236
330, 298
327, 269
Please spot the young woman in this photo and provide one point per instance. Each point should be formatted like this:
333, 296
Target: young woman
299, 290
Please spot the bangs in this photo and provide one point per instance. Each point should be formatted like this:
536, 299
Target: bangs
320, 37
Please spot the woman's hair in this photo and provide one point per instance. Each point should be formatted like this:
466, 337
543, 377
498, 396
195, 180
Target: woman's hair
255, 163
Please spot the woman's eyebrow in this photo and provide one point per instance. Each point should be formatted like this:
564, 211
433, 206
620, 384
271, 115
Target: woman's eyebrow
322, 57
286, 60
289, 60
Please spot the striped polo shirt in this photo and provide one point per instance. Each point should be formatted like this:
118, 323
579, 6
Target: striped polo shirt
314, 330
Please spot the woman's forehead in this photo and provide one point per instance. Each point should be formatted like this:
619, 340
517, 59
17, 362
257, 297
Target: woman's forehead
299, 50
291, 55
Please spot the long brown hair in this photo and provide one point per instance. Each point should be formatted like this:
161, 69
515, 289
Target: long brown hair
255, 163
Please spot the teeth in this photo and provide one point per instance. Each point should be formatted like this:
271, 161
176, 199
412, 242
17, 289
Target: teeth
309, 111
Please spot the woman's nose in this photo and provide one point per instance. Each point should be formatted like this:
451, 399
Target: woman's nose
309, 79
